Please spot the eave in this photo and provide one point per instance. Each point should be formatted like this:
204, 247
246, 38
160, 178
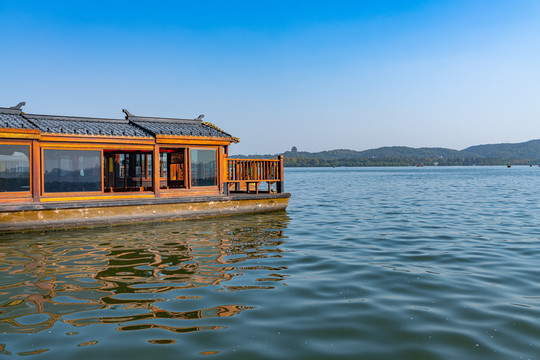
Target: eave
96, 142
11, 133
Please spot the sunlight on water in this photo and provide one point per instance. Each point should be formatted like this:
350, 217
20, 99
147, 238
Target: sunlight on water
83, 286
374, 263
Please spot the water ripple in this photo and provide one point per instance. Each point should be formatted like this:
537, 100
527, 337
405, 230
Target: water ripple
408, 263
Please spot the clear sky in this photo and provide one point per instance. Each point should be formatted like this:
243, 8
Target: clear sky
318, 75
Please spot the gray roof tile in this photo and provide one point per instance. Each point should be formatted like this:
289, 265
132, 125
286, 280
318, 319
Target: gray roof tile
132, 126
86, 126
14, 121
181, 128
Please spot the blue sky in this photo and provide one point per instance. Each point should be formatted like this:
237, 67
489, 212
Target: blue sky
318, 75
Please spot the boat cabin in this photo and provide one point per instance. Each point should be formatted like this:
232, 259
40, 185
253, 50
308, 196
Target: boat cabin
59, 159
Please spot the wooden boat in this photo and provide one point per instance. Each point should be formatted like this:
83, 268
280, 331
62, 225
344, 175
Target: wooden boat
66, 171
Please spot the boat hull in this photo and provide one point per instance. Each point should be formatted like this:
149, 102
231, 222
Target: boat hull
42, 216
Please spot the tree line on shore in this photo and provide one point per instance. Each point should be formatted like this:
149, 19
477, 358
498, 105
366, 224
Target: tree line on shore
314, 162
527, 153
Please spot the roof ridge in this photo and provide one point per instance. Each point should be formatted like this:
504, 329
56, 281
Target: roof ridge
131, 117
10, 111
164, 120
79, 118
13, 110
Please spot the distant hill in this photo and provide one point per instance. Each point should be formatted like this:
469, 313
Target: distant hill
527, 150
408, 152
492, 154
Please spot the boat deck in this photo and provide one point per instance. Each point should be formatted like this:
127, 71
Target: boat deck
53, 215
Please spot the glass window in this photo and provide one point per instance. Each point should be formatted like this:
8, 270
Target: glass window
71, 170
163, 165
14, 168
127, 171
172, 168
203, 167
148, 166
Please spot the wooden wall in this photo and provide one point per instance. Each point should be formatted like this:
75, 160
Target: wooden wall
38, 142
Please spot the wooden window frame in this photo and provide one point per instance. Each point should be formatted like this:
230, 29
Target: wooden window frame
24, 195
72, 194
187, 170
144, 162
197, 190
218, 181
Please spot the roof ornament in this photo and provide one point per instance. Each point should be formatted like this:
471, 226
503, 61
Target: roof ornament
18, 106
200, 117
128, 114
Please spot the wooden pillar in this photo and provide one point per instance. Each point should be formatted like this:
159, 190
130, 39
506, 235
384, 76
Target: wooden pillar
188, 168
36, 170
281, 183
225, 173
155, 170
219, 169
224, 170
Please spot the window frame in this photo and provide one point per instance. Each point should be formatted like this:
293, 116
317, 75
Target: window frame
145, 169
21, 194
44, 194
216, 152
187, 169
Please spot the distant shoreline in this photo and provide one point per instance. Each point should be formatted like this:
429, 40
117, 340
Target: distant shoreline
526, 153
406, 165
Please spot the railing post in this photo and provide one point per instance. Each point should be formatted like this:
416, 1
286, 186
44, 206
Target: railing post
281, 183
237, 175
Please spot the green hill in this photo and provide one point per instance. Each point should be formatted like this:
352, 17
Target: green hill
408, 152
529, 150
493, 154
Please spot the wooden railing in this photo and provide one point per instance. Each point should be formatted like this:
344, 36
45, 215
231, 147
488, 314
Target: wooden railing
245, 175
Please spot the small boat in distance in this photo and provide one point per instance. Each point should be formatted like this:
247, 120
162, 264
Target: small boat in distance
67, 171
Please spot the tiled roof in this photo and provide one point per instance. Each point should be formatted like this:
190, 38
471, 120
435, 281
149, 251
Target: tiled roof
14, 120
178, 127
131, 126
86, 126
181, 128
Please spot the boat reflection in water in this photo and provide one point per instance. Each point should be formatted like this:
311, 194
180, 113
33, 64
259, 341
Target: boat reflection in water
169, 276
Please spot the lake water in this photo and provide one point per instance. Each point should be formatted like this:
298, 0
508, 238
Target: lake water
374, 263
